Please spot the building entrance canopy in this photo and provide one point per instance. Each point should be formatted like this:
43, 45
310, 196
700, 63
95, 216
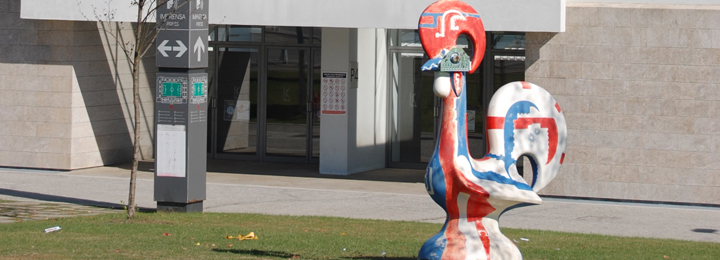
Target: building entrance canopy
506, 15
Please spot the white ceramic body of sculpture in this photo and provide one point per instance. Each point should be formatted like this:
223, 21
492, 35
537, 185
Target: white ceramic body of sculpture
522, 119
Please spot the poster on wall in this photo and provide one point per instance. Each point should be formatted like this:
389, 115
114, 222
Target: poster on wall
334, 93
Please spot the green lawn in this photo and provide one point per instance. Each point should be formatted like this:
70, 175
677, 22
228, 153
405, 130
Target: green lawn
202, 236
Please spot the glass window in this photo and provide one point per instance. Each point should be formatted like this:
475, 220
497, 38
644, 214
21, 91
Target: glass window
410, 38
212, 33
244, 34
221, 33
406, 38
288, 35
464, 42
508, 41
413, 109
317, 36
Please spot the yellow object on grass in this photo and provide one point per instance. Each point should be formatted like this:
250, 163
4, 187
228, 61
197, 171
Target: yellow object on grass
249, 236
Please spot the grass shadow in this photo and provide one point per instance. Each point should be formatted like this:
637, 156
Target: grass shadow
379, 258
63, 199
255, 252
705, 230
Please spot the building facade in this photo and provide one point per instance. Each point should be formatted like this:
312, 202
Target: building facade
638, 81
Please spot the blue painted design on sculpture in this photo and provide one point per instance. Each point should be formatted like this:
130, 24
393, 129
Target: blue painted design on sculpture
433, 248
435, 20
522, 107
431, 65
435, 180
463, 150
493, 176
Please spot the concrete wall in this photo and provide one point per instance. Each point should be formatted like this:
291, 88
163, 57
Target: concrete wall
368, 149
66, 101
506, 15
640, 89
664, 2
108, 95
334, 129
355, 141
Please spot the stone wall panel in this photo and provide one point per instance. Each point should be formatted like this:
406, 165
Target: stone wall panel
645, 123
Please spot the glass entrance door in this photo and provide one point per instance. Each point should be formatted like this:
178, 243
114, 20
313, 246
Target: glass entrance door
234, 88
289, 107
263, 82
264, 106
414, 111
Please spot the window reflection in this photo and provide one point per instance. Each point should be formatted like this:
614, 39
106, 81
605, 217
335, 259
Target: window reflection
508, 41
244, 34
288, 35
317, 35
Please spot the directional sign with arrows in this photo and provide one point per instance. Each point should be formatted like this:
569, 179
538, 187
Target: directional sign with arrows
182, 49
182, 40
199, 48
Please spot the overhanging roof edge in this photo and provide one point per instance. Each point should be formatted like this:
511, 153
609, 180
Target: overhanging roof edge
506, 15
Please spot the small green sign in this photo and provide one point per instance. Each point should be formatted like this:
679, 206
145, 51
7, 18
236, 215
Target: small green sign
198, 89
172, 89
456, 60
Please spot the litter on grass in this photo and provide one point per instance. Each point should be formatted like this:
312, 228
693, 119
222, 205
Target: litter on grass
52, 229
249, 236
524, 239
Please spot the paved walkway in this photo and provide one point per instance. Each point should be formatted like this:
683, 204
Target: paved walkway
391, 194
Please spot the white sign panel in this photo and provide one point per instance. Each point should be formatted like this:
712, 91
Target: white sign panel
334, 92
170, 154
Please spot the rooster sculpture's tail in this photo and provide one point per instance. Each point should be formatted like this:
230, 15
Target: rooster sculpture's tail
524, 119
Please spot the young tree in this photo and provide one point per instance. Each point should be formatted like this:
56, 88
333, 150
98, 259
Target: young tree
135, 49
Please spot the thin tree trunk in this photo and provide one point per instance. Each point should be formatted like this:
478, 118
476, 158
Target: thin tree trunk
136, 141
136, 104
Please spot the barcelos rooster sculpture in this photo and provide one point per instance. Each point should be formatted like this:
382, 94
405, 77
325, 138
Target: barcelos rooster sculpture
523, 119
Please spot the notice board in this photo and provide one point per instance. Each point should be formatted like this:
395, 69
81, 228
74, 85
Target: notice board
334, 92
